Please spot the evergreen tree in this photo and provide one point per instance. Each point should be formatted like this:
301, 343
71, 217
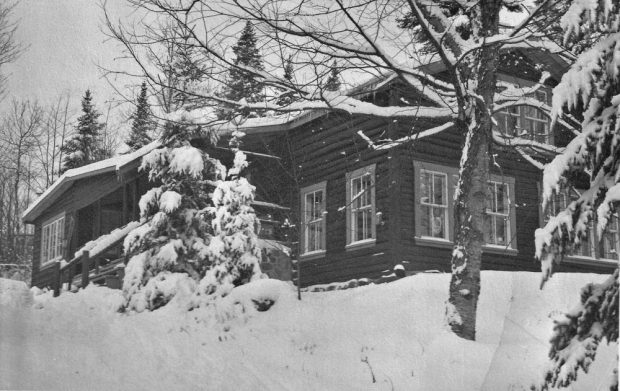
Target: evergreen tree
591, 86
333, 81
198, 228
186, 69
84, 146
242, 84
287, 97
142, 124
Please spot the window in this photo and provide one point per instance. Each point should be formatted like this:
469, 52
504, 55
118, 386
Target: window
527, 122
608, 245
510, 121
52, 238
361, 205
313, 218
434, 204
434, 215
497, 227
609, 242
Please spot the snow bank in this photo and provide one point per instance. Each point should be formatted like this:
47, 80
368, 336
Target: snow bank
14, 293
328, 341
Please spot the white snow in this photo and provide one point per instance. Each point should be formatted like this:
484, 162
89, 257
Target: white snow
187, 159
95, 247
327, 341
169, 201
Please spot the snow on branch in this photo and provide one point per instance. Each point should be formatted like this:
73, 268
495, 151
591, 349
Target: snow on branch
388, 143
509, 141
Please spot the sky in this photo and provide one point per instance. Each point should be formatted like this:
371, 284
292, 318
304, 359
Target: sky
65, 44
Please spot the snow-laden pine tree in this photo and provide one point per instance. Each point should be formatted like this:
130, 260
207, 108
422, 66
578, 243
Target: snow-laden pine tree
592, 85
198, 227
83, 147
234, 253
142, 123
242, 84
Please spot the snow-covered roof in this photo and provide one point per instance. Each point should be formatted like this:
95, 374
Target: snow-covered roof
112, 164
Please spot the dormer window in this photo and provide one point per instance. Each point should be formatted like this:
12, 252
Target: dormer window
527, 122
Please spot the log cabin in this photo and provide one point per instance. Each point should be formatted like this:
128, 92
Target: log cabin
341, 193
80, 222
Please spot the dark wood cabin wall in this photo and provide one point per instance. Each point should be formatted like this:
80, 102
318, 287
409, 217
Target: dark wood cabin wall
36, 255
444, 149
325, 150
81, 194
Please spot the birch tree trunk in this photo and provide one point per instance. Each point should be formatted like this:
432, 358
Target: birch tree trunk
475, 122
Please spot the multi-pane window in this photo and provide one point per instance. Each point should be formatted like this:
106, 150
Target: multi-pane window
536, 123
361, 205
526, 122
52, 238
434, 204
607, 245
434, 216
313, 216
609, 241
509, 121
497, 219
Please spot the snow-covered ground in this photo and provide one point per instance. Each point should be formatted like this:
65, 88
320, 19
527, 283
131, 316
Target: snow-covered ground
335, 340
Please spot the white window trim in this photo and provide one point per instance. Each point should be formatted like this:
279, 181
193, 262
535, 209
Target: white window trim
49, 222
350, 176
505, 215
510, 249
446, 208
321, 186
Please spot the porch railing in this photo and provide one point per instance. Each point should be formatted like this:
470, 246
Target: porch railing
85, 268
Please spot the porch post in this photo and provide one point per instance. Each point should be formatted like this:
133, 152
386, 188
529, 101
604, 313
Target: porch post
125, 206
85, 261
57, 283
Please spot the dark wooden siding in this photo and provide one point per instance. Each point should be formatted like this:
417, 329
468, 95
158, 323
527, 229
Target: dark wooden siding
80, 194
325, 150
444, 149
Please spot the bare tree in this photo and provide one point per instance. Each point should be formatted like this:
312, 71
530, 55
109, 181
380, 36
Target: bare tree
55, 128
19, 138
10, 49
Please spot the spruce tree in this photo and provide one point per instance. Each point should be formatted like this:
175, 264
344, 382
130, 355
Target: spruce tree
142, 124
589, 88
242, 84
287, 97
84, 146
198, 230
333, 81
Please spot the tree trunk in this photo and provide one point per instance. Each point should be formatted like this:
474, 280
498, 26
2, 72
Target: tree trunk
475, 123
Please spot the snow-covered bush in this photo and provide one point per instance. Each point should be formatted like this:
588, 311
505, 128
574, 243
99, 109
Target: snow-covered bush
198, 224
593, 85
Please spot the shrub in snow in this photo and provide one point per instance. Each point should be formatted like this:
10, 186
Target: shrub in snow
198, 224
592, 84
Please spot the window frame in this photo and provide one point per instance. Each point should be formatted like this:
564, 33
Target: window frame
350, 177
318, 187
432, 205
523, 117
511, 248
596, 246
59, 239
494, 215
